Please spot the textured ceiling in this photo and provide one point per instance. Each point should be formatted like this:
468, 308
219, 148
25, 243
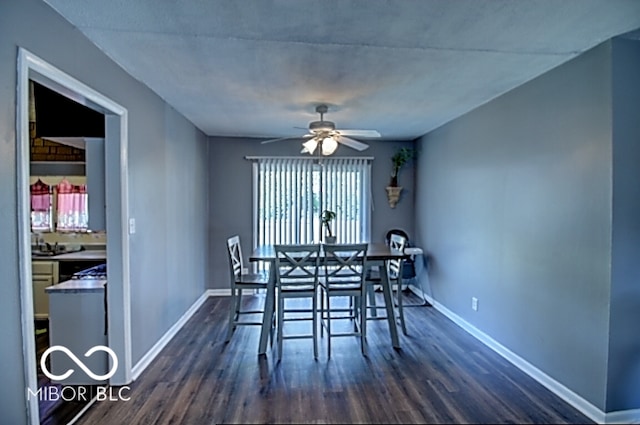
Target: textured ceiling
258, 68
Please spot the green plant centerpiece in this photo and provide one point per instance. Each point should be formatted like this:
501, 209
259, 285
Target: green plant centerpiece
399, 159
327, 217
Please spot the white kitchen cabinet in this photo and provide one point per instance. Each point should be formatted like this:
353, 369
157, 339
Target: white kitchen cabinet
44, 273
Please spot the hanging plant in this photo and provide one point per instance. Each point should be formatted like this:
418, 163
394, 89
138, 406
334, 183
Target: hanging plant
399, 159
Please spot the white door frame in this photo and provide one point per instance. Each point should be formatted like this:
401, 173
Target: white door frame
31, 67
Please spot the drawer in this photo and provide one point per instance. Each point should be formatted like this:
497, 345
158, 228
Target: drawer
40, 297
43, 267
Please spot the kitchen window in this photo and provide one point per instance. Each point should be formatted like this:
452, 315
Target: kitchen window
59, 207
41, 207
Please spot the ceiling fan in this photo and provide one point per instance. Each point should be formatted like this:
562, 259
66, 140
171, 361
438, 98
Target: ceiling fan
324, 136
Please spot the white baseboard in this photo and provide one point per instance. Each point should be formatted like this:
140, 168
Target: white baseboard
623, 417
218, 292
579, 403
162, 342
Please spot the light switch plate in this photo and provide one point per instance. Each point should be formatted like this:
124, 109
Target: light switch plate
132, 226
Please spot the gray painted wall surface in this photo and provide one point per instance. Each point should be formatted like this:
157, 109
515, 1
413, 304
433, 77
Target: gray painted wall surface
623, 388
167, 188
514, 205
230, 194
96, 188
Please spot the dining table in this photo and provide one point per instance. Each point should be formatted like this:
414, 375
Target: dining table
378, 254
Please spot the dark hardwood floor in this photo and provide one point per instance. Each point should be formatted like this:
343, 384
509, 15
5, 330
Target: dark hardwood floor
440, 375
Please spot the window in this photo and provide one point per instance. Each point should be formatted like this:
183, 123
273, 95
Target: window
59, 207
41, 200
290, 194
72, 207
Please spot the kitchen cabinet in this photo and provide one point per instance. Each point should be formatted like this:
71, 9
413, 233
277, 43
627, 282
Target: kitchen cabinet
78, 321
56, 269
45, 273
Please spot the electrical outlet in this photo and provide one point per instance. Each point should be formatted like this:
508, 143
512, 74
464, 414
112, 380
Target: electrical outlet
474, 303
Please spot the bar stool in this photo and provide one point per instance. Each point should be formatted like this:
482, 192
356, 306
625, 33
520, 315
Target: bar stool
296, 272
344, 273
394, 273
240, 281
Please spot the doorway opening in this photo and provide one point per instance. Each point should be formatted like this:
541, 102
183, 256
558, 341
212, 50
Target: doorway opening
31, 67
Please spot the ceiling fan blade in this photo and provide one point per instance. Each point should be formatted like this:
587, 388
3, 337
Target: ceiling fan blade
353, 144
360, 133
306, 136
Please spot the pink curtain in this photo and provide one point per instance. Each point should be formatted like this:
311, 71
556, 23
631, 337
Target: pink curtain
40, 206
73, 214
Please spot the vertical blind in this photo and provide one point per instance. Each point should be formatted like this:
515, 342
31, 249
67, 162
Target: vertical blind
289, 195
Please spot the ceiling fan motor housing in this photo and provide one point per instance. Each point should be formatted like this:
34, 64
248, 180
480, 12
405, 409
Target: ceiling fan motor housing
321, 126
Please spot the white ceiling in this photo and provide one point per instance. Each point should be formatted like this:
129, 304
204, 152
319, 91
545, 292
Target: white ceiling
258, 68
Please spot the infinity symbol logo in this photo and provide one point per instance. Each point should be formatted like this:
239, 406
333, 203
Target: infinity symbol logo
77, 361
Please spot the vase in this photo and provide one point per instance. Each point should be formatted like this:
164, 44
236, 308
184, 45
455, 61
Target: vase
330, 239
393, 194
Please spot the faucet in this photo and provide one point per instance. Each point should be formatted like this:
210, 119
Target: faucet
39, 242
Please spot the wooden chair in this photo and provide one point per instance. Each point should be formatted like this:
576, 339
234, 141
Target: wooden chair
344, 274
296, 271
241, 281
394, 271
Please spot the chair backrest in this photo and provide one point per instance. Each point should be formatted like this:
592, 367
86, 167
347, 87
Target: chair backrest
397, 232
345, 264
235, 256
396, 242
297, 265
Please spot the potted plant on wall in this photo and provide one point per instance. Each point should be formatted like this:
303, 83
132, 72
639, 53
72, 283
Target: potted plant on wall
327, 217
399, 159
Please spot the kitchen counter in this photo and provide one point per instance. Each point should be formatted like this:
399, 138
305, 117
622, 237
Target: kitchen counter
77, 286
84, 255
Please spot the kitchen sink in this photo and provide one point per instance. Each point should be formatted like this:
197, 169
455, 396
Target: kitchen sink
51, 250
44, 253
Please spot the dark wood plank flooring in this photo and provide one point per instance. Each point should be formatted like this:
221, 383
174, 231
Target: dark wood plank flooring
440, 375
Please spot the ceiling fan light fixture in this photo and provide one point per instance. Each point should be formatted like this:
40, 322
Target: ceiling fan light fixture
329, 145
324, 137
310, 146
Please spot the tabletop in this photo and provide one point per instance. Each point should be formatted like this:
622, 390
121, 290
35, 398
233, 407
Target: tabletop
376, 251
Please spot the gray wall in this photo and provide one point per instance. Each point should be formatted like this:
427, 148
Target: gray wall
96, 188
514, 205
230, 194
531, 204
167, 188
623, 389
